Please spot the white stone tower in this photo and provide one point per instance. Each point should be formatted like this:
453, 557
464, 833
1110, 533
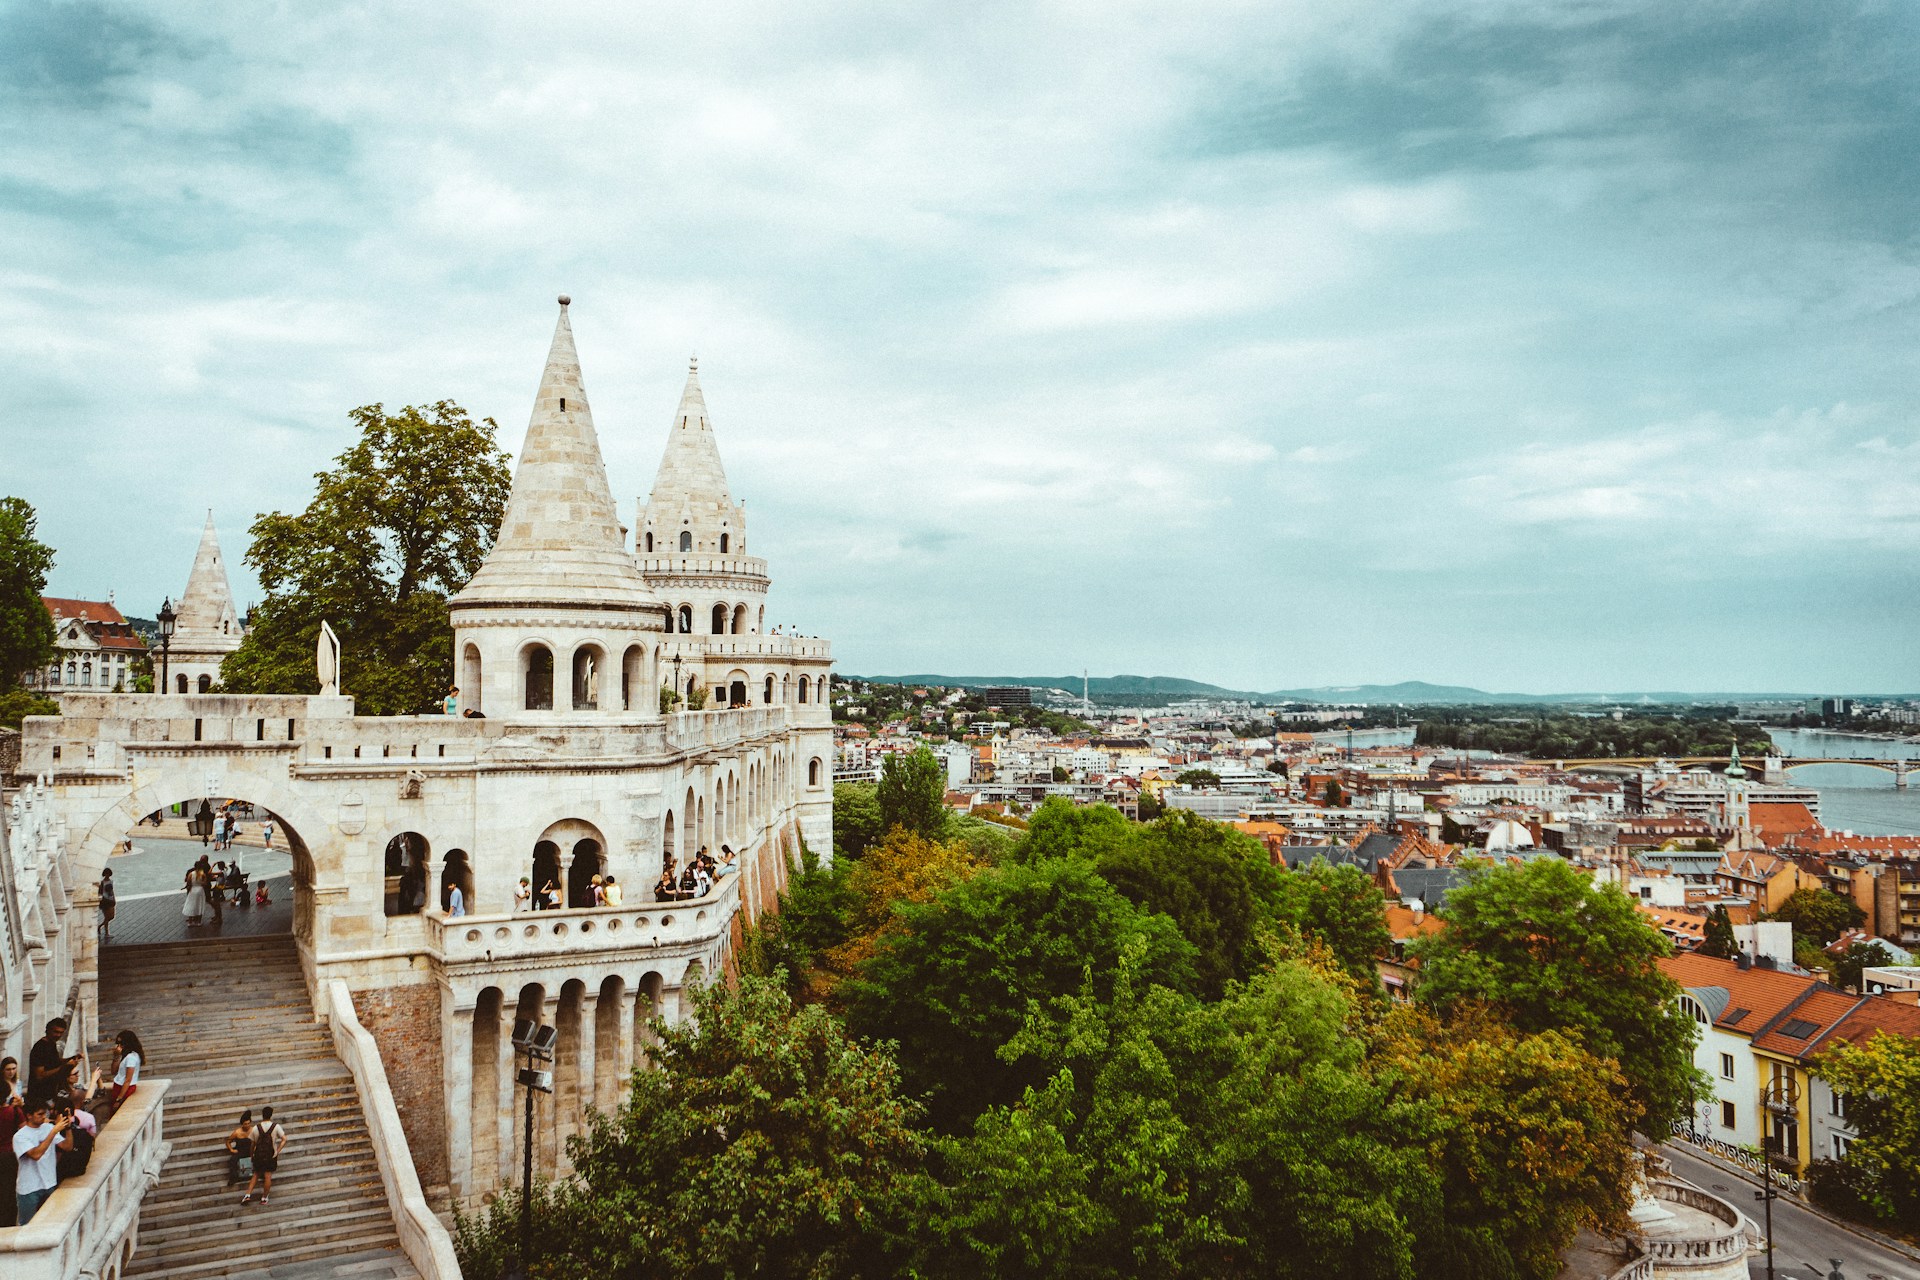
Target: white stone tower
692, 535
558, 622
207, 627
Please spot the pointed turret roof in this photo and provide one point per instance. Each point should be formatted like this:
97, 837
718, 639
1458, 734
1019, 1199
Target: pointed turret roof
205, 611
690, 468
560, 542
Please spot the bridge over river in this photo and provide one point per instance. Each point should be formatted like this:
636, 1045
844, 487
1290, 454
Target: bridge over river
1769, 766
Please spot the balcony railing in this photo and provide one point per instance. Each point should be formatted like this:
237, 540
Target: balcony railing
572, 931
86, 1227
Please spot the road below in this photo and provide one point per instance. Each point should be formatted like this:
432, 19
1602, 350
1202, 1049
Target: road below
1805, 1244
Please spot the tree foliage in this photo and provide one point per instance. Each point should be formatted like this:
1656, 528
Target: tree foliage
1342, 909
393, 531
1849, 969
1719, 941
1552, 735
763, 1142
26, 628
1819, 916
1881, 1079
1552, 950
856, 818
17, 704
912, 793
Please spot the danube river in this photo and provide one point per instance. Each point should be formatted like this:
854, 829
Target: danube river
1851, 798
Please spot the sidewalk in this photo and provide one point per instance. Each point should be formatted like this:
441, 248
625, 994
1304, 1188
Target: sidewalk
149, 920
1893, 1244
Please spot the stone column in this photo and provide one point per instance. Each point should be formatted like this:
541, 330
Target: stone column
456, 1055
508, 1123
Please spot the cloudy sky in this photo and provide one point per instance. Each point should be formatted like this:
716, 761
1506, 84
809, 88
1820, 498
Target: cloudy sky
1529, 346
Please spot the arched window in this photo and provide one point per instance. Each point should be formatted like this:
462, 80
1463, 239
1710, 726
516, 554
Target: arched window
633, 675
686, 540
406, 872
86, 675
737, 694
179, 679
587, 661
649, 544
719, 619
739, 619
813, 772
206, 684
73, 674
666, 843
470, 672
724, 542
539, 678
456, 870
546, 872
768, 696
588, 862
803, 688
686, 619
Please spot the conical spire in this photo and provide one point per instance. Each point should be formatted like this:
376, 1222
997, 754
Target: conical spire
206, 609
690, 468
560, 541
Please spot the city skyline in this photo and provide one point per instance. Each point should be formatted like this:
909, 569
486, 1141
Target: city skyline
1575, 349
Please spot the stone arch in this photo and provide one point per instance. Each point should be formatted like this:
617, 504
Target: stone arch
649, 544
589, 860
633, 676
179, 680
686, 540
609, 1066
739, 619
720, 619
489, 1108
725, 542
650, 1004
703, 833
766, 696
803, 688
545, 871
536, 669
205, 684
531, 1006
569, 1021
813, 772
589, 668
667, 836
736, 688
408, 857
471, 671
456, 869
686, 619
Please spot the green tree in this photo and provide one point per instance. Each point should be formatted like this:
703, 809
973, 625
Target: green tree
1197, 778
1060, 828
953, 983
1215, 883
17, 704
1881, 1080
1331, 795
1525, 1139
1860, 956
1819, 916
1342, 909
1552, 950
765, 1142
392, 532
26, 628
1719, 941
856, 818
913, 792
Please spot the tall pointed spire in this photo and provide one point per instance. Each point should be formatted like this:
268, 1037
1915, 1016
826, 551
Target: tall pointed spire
560, 541
206, 612
690, 468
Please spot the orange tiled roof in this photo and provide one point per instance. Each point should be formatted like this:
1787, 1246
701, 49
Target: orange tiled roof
1806, 1024
1779, 821
1876, 1013
1404, 922
1755, 996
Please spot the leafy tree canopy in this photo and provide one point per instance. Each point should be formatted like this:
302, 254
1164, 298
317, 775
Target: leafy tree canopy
1552, 950
953, 983
17, 704
1819, 916
1881, 1079
26, 628
1719, 941
764, 1142
1197, 778
856, 818
1342, 909
912, 793
1849, 969
393, 531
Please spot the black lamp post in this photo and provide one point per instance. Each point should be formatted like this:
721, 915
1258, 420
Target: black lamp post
167, 615
534, 1039
678, 692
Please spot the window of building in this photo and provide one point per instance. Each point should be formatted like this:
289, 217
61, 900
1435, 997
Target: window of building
1726, 1115
724, 542
803, 688
206, 684
1726, 1066
719, 619
686, 540
686, 619
1840, 1141
539, 682
813, 772
1837, 1105
86, 674
649, 544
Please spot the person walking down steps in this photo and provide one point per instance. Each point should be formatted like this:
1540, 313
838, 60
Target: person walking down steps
269, 1140
240, 1150
108, 900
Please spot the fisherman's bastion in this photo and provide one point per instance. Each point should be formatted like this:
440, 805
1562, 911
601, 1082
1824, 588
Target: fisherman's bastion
560, 764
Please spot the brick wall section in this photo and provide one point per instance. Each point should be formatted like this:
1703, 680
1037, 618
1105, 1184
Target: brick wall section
405, 1023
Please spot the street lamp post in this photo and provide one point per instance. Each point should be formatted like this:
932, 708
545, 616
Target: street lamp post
167, 616
678, 692
536, 1041
1780, 1102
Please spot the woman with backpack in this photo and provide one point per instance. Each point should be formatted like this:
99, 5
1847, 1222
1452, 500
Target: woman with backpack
240, 1149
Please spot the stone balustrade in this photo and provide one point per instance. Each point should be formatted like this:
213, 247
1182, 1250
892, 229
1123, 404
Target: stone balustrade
1721, 1246
575, 932
87, 1227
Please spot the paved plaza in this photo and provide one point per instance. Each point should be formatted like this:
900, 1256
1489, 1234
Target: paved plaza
150, 897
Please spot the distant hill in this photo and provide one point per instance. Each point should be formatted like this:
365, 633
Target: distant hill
1124, 688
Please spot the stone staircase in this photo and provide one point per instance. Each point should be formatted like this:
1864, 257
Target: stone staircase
229, 1022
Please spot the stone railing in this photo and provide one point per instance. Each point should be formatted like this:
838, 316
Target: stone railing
1640, 1268
422, 1237
87, 1226
698, 730
573, 930
1729, 1243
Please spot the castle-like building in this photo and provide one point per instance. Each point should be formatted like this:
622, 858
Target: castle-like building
629, 708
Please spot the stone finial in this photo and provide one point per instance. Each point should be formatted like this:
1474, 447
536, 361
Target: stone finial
565, 301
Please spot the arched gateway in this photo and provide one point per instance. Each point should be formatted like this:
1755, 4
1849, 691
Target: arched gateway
575, 774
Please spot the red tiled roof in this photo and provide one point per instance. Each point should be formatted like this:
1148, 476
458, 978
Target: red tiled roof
1761, 993
108, 627
1778, 821
1877, 1014
1807, 1023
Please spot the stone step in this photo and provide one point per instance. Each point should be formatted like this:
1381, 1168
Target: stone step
263, 1237
369, 1264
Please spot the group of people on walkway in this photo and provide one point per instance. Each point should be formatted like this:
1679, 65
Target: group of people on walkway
697, 878
253, 1152
51, 1118
210, 886
601, 891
